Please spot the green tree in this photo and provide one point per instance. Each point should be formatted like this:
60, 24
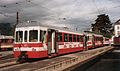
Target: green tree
102, 25
5, 29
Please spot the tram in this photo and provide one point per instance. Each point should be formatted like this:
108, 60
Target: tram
40, 41
6, 42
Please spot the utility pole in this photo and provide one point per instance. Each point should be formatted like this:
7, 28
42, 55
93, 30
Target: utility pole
17, 18
17, 21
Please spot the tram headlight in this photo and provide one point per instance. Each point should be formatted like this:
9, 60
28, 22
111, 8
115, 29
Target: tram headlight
33, 49
16, 49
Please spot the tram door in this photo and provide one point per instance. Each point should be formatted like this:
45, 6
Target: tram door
85, 42
93, 41
52, 43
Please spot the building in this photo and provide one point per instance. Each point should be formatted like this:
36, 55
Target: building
117, 28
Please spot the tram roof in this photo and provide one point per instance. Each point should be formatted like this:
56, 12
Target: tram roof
36, 24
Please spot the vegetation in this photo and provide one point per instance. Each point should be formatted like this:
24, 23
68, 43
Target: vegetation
102, 25
6, 29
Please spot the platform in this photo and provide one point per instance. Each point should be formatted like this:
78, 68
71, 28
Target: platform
75, 58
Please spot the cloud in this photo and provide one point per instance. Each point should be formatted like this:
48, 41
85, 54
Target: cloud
71, 13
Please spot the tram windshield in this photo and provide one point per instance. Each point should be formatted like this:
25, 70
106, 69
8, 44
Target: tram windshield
19, 36
33, 35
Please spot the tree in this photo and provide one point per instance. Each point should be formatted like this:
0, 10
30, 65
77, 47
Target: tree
5, 29
102, 25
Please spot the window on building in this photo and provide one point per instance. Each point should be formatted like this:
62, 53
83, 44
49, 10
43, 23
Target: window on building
117, 27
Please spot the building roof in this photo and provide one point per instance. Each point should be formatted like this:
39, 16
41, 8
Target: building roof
117, 22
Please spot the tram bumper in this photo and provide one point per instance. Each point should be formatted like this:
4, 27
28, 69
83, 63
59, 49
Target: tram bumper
31, 54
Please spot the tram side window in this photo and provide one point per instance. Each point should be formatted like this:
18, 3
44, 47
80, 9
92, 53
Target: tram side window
81, 38
6, 40
70, 37
97, 38
19, 36
25, 36
78, 38
88, 38
65, 37
74, 38
43, 36
33, 35
59, 37
100, 39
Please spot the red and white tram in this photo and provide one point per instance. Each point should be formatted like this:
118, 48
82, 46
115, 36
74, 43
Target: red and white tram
94, 40
6, 42
39, 42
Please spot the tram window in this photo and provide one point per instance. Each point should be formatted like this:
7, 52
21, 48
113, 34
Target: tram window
65, 37
81, 38
78, 38
0, 40
6, 40
19, 36
25, 36
74, 38
100, 39
33, 35
43, 36
90, 37
70, 37
59, 37
9, 40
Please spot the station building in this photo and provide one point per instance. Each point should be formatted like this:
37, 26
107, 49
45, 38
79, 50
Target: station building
117, 28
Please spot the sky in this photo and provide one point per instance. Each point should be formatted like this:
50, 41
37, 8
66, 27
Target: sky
62, 13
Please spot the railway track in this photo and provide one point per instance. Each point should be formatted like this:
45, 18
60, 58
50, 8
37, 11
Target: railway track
50, 64
6, 55
7, 62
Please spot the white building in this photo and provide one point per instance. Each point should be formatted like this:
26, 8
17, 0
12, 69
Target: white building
117, 28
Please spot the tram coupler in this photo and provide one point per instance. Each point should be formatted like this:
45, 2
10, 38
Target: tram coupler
23, 57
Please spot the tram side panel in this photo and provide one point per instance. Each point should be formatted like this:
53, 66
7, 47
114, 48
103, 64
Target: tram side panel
68, 42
